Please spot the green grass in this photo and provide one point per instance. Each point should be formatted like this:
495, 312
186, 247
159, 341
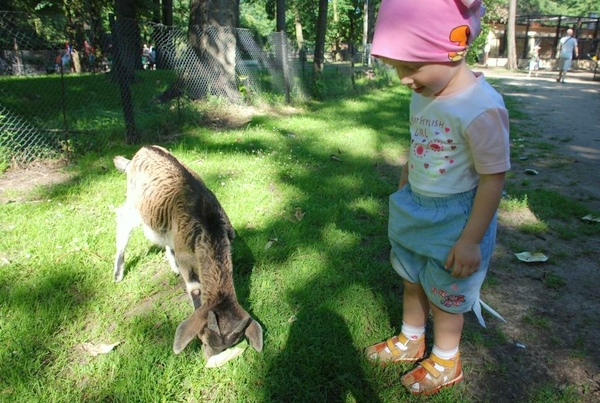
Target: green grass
299, 275
91, 116
310, 257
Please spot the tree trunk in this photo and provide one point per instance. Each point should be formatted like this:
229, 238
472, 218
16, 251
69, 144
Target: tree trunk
123, 69
97, 37
129, 45
319, 57
162, 37
167, 12
156, 11
210, 69
371, 25
298, 30
280, 23
510, 33
366, 17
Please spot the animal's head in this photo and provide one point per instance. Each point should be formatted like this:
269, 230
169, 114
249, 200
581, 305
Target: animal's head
218, 329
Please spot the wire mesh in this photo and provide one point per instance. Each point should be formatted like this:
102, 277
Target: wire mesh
138, 81
59, 97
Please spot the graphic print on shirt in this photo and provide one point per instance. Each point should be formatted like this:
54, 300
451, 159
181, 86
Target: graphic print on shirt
432, 146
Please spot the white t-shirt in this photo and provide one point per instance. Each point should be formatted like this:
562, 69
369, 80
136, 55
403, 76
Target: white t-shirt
455, 138
567, 46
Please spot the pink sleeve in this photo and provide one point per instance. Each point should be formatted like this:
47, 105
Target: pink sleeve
488, 137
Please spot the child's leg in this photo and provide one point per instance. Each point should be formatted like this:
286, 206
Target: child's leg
443, 367
447, 328
415, 308
409, 345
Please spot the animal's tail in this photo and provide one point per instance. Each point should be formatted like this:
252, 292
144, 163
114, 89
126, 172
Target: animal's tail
121, 163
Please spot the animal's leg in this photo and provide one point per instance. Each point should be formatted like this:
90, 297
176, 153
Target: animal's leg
171, 258
127, 220
192, 286
186, 262
195, 296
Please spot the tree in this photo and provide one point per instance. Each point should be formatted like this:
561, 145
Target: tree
280, 26
126, 51
319, 56
213, 43
510, 34
167, 12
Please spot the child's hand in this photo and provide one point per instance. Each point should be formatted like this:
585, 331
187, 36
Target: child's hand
464, 258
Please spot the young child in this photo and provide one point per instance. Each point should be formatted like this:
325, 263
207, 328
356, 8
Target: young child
442, 222
534, 62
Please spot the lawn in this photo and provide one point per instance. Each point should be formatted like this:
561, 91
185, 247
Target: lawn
307, 193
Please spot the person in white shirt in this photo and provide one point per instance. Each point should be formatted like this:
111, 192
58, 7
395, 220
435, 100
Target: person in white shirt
567, 47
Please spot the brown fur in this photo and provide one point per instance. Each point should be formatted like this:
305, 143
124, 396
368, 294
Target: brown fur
178, 211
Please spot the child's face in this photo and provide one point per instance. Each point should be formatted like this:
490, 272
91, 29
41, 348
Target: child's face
427, 79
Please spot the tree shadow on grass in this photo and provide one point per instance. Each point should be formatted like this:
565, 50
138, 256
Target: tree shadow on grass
32, 310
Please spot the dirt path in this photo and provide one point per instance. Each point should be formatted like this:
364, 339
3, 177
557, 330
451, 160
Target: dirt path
552, 308
566, 115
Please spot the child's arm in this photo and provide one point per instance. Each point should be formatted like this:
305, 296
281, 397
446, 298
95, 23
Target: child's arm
464, 258
403, 176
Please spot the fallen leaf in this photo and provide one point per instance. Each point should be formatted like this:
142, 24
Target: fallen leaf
96, 349
226, 355
590, 218
299, 214
531, 257
271, 242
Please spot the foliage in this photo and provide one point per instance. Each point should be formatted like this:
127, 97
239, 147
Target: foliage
582, 7
254, 16
60, 21
498, 8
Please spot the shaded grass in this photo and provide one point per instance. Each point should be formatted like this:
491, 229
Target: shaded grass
299, 274
311, 261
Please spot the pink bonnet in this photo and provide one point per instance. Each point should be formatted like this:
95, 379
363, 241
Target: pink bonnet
426, 30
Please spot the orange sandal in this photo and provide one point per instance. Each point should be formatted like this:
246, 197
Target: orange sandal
433, 374
397, 349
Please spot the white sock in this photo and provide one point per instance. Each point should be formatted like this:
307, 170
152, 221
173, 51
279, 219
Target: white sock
444, 354
412, 332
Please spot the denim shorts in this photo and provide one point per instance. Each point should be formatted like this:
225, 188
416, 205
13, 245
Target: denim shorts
422, 230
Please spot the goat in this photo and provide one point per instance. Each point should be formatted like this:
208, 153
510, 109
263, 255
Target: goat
179, 212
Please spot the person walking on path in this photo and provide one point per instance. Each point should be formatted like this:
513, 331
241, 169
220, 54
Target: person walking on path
534, 62
567, 46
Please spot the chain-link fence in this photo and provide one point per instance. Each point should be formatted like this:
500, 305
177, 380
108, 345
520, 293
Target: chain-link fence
138, 81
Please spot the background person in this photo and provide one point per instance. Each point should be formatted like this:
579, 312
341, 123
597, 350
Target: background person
567, 47
534, 62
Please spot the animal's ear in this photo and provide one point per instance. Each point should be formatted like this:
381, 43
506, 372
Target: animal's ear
188, 329
241, 326
212, 323
254, 334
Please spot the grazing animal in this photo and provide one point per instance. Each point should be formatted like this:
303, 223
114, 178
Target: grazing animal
179, 212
